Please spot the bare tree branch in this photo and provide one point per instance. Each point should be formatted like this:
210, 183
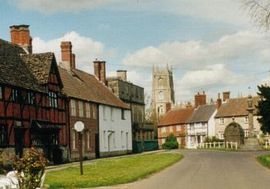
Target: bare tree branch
259, 11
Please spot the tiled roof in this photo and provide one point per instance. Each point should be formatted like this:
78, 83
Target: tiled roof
236, 107
40, 65
176, 116
81, 85
202, 114
13, 70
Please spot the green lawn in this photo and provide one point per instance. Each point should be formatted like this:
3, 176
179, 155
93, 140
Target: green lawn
105, 172
264, 160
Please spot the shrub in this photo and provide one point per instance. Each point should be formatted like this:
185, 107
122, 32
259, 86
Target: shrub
212, 139
30, 168
170, 143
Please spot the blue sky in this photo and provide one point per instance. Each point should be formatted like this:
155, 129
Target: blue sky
211, 44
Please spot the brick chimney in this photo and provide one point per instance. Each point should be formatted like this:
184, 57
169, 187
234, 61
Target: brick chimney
122, 74
219, 101
20, 35
68, 59
100, 70
200, 99
226, 96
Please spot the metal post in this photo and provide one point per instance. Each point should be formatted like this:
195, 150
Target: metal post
80, 149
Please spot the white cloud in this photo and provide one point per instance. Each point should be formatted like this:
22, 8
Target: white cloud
225, 11
196, 54
85, 49
50, 6
211, 79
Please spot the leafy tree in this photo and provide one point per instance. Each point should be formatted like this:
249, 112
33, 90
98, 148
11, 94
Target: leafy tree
30, 169
170, 143
259, 11
264, 108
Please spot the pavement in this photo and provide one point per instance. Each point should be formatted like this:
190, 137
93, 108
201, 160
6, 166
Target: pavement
208, 170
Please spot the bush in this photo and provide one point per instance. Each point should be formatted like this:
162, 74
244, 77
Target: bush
30, 169
170, 143
212, 139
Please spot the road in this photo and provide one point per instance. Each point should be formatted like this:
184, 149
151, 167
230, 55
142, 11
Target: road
208, 170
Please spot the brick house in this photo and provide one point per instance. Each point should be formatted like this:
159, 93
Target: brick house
89, 98
32, 107
174, 122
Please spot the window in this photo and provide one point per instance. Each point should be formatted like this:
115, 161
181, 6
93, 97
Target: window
123, 114
53, 99
73, 139
221, 135
31, 98
122, 139
104, 139
87, 110
94, 111
112, 116
1, 93
114, 143
221, 121
246, 133
246, 119
80, 103
160, 95
163, 130
14, 95
3, 135
88, 140
73, 107
178, 128
104, 113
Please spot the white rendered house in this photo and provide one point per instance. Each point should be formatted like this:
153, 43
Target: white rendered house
115, 135
201, 125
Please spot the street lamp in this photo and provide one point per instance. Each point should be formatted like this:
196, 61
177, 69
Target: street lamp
79, 127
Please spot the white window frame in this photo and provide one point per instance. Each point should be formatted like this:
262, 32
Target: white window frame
73, 107
221, 121
80, 105
87, 110
73, 140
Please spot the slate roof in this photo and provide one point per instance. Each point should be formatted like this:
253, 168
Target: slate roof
13, 70
176, 116
236, 107
39, 65
202, 114
81, 85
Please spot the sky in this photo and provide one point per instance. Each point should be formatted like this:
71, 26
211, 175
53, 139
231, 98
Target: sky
212, 45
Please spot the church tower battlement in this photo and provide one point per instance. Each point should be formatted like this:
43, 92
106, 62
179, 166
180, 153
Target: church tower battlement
162, 90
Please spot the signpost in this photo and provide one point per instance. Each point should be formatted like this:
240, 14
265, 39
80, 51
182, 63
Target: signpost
79, 127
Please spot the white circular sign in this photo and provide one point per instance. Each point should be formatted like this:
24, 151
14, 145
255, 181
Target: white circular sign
79, 126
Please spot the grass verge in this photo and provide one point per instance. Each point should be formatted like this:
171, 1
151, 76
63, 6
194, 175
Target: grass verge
106, 172
264, 160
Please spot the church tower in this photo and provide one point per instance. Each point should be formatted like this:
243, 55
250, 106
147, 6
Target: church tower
162, 90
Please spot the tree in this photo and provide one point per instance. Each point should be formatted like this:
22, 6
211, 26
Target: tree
170, 143
264, 108
30, 169
259, 11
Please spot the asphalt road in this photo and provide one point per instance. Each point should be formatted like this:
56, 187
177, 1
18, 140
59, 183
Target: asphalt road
209, 170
